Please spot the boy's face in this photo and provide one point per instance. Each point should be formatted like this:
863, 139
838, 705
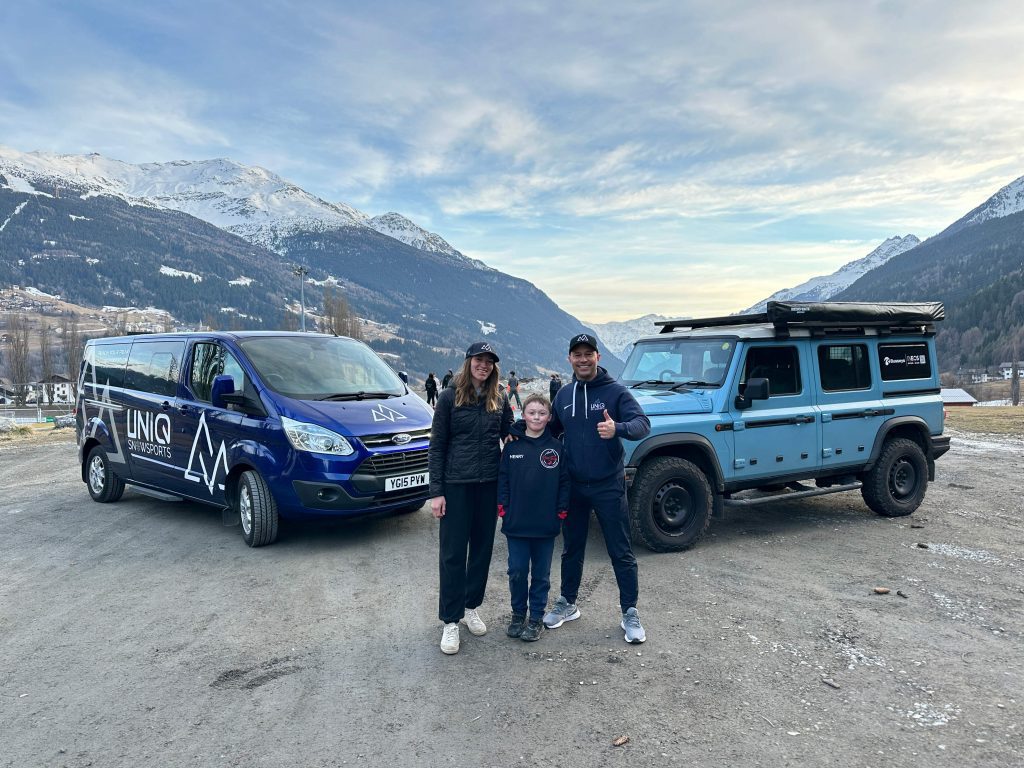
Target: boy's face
536, 416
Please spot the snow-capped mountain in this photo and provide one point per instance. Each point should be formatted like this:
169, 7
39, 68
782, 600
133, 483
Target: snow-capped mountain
619, 336
400, 228
824, 287
1006, 202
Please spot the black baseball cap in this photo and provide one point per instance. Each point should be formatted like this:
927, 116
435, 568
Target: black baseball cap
583, 338
482, 348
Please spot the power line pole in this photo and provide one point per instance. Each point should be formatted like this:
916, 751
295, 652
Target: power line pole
301, 272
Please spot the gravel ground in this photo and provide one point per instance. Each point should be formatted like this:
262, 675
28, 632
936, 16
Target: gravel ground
146, 633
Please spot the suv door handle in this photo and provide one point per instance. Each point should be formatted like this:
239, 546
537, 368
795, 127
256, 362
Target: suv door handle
803, 419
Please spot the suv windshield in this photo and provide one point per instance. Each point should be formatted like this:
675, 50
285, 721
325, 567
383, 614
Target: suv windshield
321, 368
679, 362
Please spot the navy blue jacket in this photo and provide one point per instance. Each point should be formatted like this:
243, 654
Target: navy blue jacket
533, 485
578, 408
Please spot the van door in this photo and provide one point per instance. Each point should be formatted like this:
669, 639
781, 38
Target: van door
778, 436
149, 398
850, 402
204, 435
102, 400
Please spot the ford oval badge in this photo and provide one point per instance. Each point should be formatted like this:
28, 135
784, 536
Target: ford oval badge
401, 438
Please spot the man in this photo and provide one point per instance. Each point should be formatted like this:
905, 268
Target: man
553, 386
594, 412
513, 389
447, 379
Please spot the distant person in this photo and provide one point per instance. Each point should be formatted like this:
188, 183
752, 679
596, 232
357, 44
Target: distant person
513, 389
447, 379
431, 386
553, 386
470, 419
594, 451
533, 496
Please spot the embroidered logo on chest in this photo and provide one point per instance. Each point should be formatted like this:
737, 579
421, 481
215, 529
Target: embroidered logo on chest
549, 458
597, 405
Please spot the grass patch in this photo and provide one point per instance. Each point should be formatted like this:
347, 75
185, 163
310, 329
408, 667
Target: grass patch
995, 420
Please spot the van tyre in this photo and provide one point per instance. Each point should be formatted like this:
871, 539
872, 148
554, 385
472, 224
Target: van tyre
257, 510
895, 486
671, 504
104, 485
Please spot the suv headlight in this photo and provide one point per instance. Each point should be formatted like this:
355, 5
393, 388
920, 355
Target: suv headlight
310, 437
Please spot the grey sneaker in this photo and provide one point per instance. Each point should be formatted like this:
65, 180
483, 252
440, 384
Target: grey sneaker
634, 629
561, 612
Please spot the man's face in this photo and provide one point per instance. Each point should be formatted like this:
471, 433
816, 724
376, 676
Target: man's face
583, 360
536, 416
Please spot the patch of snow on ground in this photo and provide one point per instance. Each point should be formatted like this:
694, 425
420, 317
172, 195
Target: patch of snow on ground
990, 443
241, 281
36, 292
92, 261
79, 218
17, 210
21, 185
172, 272
962, 553
487, 328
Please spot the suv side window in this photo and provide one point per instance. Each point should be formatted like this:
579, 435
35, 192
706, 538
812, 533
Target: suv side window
899, 362
210, 360
153, 366
780, 365
844, 367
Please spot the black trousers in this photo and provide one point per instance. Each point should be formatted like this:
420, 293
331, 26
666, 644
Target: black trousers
467, 540
608, 500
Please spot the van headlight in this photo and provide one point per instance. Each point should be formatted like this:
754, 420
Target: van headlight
310, 437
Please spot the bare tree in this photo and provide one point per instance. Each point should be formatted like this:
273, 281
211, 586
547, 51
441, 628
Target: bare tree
18, 365
338, 316
46, 360
72, 341
1015, 374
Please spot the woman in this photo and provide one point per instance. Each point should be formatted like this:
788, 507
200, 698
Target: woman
470, 420
431, 386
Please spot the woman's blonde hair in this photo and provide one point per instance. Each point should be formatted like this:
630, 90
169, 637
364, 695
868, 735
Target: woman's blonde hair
465, 390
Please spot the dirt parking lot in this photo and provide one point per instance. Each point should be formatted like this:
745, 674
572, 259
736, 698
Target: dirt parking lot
146, 633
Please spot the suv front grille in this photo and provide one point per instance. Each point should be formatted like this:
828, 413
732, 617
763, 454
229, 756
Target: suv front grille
398, 463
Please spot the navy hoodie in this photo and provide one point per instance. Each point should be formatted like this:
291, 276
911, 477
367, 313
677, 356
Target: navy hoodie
578, 408
533, 485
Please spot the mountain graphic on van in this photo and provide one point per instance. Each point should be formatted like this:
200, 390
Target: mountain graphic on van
383, 413
208, 462
104, 405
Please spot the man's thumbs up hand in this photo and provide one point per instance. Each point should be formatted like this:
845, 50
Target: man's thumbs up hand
606, 428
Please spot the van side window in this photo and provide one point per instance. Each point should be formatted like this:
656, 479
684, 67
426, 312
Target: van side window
780, 365
153, 366
108, 362
899, 362
209, 361
844, 367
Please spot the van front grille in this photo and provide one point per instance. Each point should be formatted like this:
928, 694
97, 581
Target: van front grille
398, 463
376, 441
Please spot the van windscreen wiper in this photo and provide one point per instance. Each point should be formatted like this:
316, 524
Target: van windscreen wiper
358, 396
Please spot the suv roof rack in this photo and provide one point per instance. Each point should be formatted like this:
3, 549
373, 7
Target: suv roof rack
829, 317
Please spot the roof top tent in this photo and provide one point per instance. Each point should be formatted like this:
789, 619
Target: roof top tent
828, 318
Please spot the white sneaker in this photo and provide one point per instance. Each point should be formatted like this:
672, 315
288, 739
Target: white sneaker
474, 623
450, 639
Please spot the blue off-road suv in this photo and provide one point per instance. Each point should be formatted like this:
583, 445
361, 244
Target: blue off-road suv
842, 395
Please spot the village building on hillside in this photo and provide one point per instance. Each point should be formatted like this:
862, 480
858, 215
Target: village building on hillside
957, 397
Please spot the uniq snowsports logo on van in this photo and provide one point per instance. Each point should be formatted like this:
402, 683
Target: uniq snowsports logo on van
148, 433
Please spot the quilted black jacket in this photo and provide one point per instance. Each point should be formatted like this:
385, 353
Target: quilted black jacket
464, 442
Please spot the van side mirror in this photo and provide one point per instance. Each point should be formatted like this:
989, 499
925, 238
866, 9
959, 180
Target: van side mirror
755, 389
223, 388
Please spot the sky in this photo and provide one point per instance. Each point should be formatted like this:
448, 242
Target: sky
685, 158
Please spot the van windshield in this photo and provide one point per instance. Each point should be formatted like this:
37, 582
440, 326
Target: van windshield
679, 362
321, 368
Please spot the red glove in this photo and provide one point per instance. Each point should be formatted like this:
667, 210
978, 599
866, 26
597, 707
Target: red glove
501, 510
563, 514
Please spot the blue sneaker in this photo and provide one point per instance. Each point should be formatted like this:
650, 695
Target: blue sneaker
561, 612
634, 629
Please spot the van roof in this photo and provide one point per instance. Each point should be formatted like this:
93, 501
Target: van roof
236, 335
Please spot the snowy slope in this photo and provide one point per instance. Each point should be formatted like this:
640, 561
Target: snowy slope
402, 229
825, 287
619, 336
1006, 202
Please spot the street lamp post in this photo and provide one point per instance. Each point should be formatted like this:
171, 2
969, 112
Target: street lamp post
302, 271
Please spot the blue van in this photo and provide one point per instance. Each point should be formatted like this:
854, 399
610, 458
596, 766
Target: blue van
267, 424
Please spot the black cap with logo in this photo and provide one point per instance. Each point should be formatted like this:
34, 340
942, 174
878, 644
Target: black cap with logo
583, 338
482, 348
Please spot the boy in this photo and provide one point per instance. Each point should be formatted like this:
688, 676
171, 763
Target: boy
533, 494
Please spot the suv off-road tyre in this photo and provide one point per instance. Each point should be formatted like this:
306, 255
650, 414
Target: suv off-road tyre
257, 510
670, 504
896, 485
104, 486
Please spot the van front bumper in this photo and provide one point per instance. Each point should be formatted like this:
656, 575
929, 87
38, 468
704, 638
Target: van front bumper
332, 497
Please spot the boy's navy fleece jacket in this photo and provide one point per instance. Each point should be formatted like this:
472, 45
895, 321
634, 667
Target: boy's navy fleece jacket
533, 485
578, 408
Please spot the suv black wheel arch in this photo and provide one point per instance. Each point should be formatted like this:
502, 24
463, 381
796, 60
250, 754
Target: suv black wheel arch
910, 427
692, 447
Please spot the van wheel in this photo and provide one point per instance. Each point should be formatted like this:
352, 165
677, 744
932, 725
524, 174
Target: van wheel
104, 485
670, 504
257, 510
895, 486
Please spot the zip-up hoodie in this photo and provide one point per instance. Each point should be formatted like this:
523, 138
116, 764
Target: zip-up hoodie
533, 485
578, 408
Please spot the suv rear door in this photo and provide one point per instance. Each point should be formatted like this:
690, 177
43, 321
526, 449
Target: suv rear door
850, 401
